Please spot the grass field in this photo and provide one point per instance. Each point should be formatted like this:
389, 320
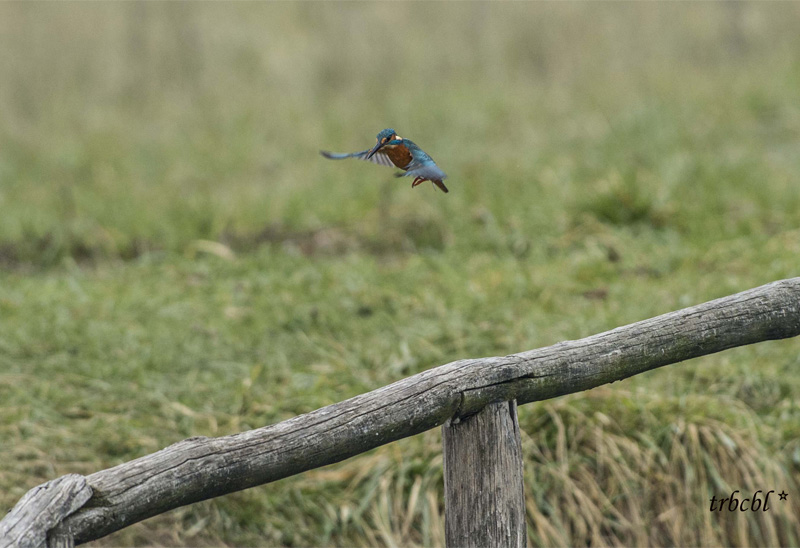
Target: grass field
176, 259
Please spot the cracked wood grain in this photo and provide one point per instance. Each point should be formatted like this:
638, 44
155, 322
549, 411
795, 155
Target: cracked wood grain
201, 468
41, 510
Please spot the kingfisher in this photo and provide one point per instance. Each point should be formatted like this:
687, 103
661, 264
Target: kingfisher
393, 150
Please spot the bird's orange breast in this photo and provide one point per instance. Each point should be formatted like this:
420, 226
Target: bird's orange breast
398, 154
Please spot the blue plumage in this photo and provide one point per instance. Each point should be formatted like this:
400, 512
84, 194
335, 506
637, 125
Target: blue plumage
392, 150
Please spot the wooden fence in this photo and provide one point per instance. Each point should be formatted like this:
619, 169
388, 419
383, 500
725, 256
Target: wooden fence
474, 399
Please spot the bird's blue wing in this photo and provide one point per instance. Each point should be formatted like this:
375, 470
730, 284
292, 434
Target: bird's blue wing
421, 165
427, 170
378, 158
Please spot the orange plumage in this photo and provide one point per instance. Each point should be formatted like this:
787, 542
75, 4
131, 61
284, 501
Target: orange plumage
398, 154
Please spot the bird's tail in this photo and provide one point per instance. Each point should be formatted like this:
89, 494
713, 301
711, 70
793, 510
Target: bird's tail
440, 184
336, 155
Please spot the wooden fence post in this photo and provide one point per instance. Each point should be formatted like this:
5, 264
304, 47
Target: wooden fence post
483, 488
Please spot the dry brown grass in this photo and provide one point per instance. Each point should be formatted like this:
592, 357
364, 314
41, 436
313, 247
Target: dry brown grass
594, 480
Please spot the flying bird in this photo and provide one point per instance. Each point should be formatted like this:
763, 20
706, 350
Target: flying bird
393, 150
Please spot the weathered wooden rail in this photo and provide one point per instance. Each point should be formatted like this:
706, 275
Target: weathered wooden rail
469, 397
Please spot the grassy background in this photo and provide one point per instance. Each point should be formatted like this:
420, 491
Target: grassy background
177, 260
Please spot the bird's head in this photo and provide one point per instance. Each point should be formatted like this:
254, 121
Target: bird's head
384, 137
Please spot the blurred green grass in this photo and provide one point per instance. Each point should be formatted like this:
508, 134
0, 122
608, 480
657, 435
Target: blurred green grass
608, 163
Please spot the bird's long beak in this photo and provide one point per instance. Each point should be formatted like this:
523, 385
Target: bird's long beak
375, 149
